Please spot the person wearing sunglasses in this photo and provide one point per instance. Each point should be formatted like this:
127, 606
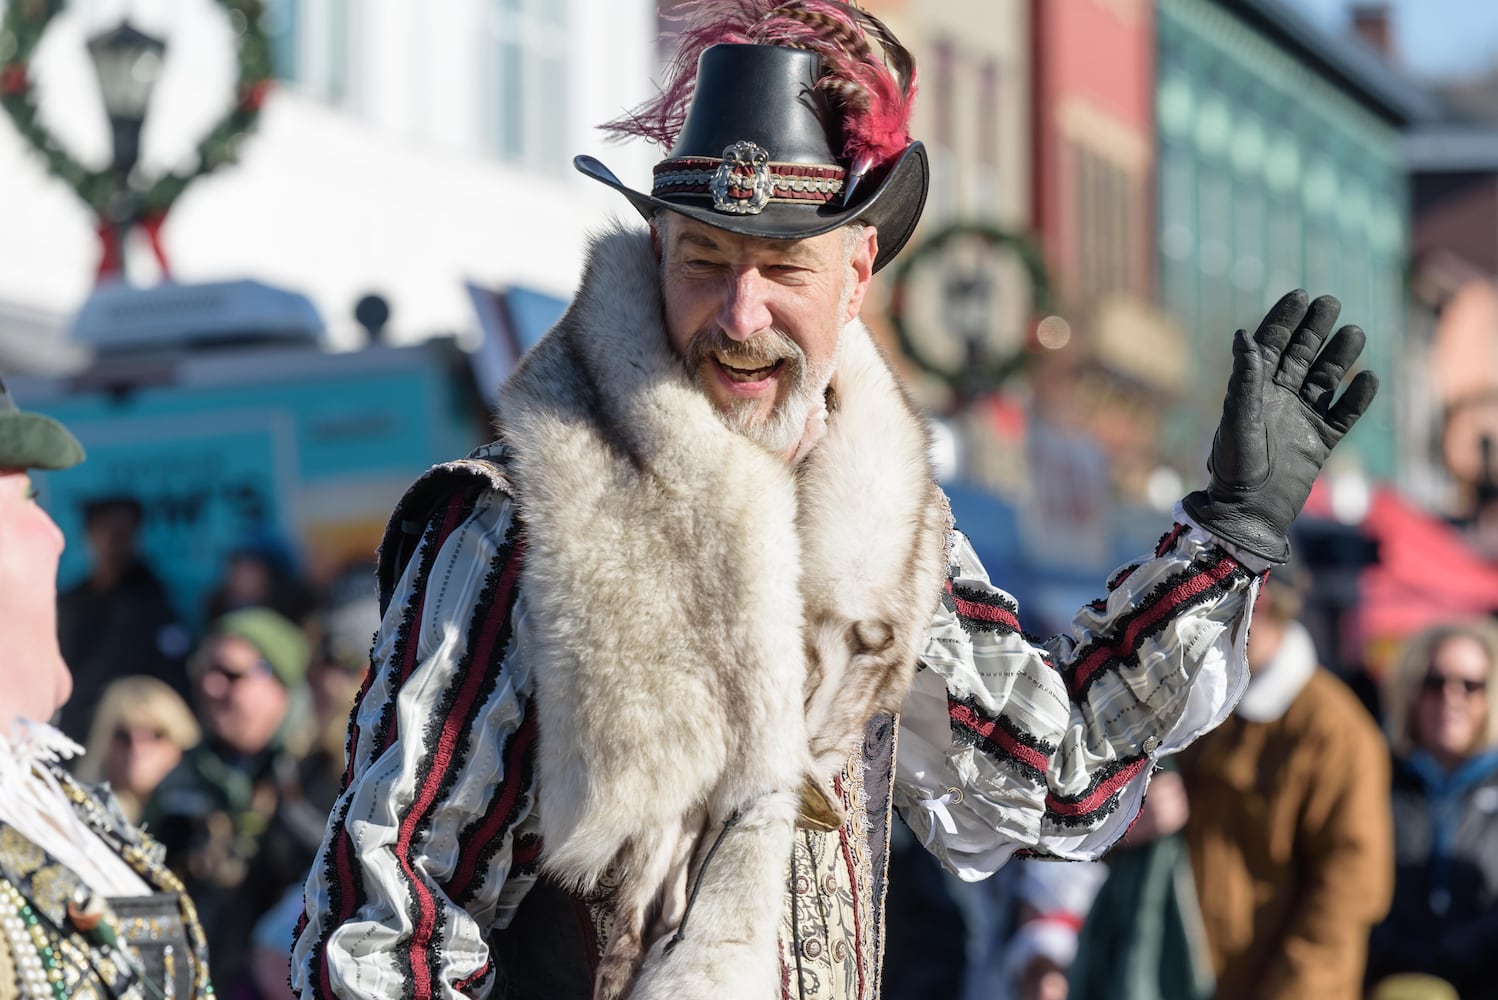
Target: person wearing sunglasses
219, 812
1445, 796
140, 731
86, 907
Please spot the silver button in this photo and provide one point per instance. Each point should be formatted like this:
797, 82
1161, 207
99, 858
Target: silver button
1151, 744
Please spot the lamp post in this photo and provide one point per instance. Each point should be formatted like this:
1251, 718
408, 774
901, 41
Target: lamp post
966, 309
128, 63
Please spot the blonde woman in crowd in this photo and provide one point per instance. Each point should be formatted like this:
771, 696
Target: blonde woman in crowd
1445, 797
139, 733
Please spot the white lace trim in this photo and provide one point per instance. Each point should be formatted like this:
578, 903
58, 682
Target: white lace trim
32, 801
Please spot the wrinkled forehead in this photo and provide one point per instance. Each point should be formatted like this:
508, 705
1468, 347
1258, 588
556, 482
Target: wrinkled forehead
682, 233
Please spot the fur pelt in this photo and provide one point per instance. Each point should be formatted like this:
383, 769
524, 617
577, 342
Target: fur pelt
710, 629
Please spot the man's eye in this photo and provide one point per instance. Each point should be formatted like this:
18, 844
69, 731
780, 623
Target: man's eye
32, 493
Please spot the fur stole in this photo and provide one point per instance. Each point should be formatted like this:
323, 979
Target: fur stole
710, 628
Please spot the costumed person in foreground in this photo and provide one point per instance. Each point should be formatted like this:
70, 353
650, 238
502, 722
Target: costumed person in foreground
656, 664
87, 907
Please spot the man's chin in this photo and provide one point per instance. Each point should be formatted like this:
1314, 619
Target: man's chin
776, 430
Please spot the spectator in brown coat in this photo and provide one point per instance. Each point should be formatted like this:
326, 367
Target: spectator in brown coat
1289, 828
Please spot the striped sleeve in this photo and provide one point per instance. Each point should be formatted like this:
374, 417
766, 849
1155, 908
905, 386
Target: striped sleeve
430, 844
1010, 743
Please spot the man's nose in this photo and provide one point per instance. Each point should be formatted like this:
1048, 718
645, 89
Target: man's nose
745, 310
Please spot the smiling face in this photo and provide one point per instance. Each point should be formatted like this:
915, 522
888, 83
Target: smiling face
1452, 707
757, 322
36, 680
238, 694
141, 754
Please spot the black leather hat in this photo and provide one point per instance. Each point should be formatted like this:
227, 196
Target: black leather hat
756, 156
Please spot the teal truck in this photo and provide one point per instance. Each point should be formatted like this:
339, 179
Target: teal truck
218, 409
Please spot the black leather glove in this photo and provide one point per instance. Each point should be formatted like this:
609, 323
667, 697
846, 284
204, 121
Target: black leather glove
1279, 423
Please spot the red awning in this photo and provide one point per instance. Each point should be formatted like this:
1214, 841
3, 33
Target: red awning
1426, 573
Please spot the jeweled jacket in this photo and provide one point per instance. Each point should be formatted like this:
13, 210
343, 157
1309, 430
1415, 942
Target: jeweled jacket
623, 624
61, 939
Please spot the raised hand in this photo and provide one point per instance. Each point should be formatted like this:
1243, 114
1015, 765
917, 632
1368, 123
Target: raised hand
1280, 420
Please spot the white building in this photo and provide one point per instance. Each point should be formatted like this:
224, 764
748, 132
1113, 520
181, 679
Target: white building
412, 145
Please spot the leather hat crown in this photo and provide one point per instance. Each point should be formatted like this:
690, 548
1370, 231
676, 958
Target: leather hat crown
756, 156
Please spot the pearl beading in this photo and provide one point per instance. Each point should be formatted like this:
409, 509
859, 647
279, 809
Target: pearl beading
37, 967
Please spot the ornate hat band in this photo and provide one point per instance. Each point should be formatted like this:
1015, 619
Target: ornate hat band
744, 180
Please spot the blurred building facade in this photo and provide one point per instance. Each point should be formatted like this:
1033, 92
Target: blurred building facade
407, 148
1121, 370
974, 113
1454, 268
1281, 166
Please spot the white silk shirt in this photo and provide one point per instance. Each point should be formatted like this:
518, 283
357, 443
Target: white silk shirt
1007, 743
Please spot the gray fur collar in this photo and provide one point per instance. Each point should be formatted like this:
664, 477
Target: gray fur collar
709, 626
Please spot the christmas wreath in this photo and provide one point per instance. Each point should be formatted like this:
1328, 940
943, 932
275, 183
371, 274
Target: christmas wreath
25, 23
985, 372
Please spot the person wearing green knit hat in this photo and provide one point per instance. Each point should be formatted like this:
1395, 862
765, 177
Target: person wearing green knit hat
221, 813
86, 906
281, 645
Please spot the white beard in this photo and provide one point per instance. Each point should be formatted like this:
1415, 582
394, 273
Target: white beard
788, 421
784, 427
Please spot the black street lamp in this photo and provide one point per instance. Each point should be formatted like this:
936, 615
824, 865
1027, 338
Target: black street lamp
967, 307
128, 63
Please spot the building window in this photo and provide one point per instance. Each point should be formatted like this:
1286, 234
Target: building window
1250, 224
526, 93
314, 45
986, 174
340, 49
988, 114
282, 21
1178, 275
945, 91
1103, 216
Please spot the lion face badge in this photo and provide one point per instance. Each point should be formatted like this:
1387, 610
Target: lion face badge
742, 185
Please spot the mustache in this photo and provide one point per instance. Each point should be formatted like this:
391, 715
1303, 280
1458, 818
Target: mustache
760, 351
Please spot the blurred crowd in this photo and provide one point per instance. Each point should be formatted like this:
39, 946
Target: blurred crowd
228, 746
1320, 843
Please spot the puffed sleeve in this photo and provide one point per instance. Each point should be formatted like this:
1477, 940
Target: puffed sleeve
1008, 742
430, 844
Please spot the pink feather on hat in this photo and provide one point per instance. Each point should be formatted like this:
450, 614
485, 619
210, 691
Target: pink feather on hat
875, 90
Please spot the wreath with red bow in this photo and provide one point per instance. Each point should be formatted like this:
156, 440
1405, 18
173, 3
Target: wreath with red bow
25, 23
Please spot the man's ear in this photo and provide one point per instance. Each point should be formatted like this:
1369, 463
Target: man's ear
861, 265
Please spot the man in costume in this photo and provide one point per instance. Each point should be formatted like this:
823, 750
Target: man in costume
657, 664
86, 905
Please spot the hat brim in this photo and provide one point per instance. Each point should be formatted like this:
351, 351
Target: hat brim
35, 441
893, 207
